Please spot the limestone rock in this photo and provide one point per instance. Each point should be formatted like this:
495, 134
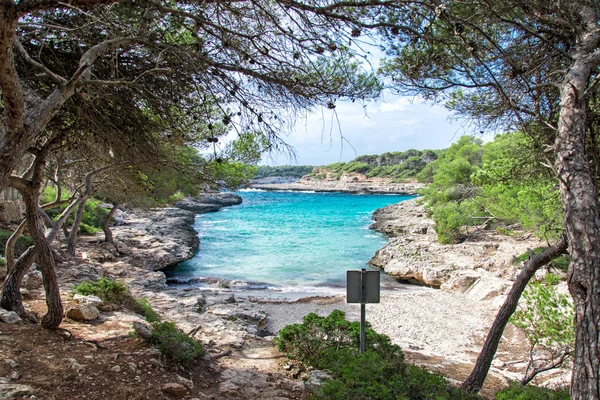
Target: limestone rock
487, 287
9, 317
13, 390
196, 207
175, 389
222, 199
160, 237
414, 254
142, 329
32, 280
316, 378
460, 281
82, 312
91, 300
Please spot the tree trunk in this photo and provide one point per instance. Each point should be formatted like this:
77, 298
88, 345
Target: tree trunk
11, 287
72, 239
45, 259
475, 381
9, 249
108, 236
581, 209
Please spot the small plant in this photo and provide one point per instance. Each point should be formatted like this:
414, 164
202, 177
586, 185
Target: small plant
144, 308
518, 392
106, 289
546, 317
174, 343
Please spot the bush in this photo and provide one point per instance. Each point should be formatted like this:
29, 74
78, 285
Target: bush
174, 343
331, 343
144, 308
106, 289
518, 392
22, 244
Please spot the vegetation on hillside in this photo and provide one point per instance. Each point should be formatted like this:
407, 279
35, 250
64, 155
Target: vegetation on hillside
397, 166
475, 185
286, 171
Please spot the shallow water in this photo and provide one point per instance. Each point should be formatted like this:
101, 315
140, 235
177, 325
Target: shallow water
288, 241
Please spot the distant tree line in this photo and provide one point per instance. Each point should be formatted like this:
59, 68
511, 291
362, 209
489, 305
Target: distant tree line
396, 165
289, 171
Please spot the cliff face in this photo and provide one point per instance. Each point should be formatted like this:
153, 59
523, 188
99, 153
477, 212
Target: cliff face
327, 181
481, 267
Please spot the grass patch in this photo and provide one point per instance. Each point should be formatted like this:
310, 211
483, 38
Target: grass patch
331, 343
106, 289
172, 342
143, 307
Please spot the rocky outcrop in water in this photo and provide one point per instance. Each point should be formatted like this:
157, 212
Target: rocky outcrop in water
208, 202
160, 237
481, 267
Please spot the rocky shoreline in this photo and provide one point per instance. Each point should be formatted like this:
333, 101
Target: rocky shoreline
482, 267
351, 183
440, 329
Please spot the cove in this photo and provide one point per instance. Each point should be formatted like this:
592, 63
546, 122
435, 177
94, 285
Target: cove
288, 241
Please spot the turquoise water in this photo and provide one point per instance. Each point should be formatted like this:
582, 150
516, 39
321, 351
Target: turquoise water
285, 239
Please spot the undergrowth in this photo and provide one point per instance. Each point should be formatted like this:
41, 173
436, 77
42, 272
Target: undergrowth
331, 343
518, 392
106, 289
172, 342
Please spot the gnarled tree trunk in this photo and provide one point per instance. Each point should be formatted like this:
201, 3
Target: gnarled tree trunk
579, 198
11, 287
475, 381
72, 239
45, 259
108, 236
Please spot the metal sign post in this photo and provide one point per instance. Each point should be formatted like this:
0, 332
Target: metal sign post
362, 287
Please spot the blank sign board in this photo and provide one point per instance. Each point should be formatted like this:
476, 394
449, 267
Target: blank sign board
362, 286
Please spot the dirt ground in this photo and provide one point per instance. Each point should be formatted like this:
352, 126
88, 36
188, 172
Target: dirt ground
65, 365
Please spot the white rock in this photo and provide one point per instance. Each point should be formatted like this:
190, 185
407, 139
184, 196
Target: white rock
82, 313
90, 300
9, 317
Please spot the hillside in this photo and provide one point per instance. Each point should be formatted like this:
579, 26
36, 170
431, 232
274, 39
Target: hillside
396, 166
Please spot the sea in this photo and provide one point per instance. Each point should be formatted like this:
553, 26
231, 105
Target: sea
285, 243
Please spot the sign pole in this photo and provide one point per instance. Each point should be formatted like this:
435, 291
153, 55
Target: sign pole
362, 312
362, 328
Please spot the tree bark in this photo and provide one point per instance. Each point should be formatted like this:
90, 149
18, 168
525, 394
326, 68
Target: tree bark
45, 260
582, 222
108, 236
9, 249
475, 381
11, 287
72, 239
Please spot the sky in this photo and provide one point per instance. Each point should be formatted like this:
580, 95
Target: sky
392, 124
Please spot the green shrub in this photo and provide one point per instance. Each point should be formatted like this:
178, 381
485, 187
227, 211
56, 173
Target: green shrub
331, 343
2, 262
518, 392
144, 308
22, 244
174, 343
106, 289
561, 262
